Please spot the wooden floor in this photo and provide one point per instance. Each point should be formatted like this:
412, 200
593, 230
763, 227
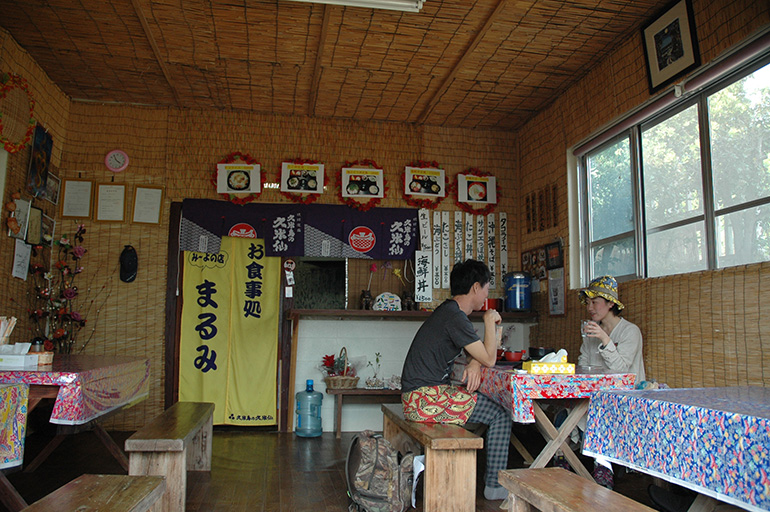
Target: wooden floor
251, 471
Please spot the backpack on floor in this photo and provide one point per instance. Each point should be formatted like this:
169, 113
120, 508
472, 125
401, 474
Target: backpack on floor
379, 478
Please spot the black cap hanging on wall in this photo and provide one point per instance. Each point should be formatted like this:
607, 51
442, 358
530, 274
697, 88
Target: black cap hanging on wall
128, 264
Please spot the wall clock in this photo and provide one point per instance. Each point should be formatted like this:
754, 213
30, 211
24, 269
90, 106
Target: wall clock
116, 160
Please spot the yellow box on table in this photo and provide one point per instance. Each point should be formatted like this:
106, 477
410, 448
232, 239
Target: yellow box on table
540, 368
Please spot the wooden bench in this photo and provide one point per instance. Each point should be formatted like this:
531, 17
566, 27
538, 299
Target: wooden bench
177, 441
559, 490
450, 459
116, 493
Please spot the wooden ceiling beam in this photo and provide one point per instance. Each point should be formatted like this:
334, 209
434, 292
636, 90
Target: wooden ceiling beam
318, 67
155, 49
461, 62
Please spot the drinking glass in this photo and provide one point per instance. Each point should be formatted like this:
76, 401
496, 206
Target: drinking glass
499, 335
583, 326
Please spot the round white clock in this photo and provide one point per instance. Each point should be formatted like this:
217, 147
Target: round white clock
116, 160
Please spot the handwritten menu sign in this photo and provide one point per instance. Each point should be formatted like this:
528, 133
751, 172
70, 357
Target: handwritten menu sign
423, 289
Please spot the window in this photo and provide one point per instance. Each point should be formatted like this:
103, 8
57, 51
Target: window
686, 190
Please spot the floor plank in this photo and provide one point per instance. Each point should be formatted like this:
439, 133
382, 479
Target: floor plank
254, 471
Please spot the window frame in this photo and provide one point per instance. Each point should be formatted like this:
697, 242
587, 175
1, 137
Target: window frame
709, 215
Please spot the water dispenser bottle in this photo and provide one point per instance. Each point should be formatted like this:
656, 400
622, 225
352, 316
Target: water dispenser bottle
309, 412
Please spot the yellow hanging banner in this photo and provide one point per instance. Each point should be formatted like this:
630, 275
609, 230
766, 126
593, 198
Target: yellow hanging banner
229, 340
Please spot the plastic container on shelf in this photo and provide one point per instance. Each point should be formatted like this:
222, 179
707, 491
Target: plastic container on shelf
518, 291
309, 412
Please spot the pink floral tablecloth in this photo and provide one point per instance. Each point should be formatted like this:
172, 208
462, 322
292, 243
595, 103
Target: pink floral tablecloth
89, 386
13, 423
715, 441
515, 391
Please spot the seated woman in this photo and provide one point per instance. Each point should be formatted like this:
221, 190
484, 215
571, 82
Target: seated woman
611, 343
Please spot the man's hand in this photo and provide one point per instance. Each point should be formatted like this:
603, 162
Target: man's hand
472, 375
492, 315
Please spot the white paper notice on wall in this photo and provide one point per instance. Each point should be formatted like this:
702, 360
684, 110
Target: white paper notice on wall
436, 249
458, 228
423, 274
423, 220
481, 228
21, 257
491, 247
503, 237
446, 263
468, 236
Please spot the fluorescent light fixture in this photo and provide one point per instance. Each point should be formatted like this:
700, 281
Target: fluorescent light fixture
393, 5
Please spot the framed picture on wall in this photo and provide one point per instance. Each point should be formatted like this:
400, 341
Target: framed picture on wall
147, 204
554, 257
52, 187
48, 229
670, 45
76, 199
110, 202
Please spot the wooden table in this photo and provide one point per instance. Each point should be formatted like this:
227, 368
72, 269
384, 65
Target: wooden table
85, 389
362, 395
715, 441
13, 425
522, 394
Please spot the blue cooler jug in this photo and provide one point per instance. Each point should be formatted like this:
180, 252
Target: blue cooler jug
518, 291
309, 412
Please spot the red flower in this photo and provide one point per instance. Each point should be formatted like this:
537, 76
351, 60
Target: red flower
328, 361
48, 345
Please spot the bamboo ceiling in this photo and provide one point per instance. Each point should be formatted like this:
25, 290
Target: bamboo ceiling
462, 63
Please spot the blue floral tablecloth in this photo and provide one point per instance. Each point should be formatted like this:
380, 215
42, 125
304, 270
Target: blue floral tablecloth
715, 441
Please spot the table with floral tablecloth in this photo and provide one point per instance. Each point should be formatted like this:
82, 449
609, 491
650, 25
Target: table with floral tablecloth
715, 441
521, 393
13, 423
88, 386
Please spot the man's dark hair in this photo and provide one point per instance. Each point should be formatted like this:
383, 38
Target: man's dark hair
465, 274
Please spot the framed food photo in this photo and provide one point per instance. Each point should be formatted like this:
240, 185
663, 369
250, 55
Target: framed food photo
476, 189
52, 187
670, 45
239, 178
302, 177
424, 181
48, 230
362, 183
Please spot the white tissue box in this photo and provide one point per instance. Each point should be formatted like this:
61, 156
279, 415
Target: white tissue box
535, 367
17, 360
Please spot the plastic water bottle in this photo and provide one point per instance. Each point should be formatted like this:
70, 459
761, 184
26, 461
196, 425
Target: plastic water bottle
309, 412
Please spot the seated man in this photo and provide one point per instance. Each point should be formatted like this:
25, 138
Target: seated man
427, 394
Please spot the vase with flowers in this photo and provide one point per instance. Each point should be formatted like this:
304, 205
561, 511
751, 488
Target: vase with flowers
53, 313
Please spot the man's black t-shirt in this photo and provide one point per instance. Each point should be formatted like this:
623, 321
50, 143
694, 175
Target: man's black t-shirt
438, 342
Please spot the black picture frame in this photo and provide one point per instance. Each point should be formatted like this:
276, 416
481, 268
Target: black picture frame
670, 45
554, 256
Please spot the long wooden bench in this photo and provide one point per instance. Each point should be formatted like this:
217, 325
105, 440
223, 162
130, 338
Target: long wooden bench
177, 441
559, 490
450, 459
113, 493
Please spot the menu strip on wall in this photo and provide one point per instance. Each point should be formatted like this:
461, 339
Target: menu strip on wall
468, 236
436, 249
423, 220
446, 263
491, 246
458, 236
423, 291
481, 228
503, 244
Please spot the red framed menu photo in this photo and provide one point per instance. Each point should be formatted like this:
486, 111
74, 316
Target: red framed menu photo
476, 189
302, 177
362, 183
424, 182
238, 178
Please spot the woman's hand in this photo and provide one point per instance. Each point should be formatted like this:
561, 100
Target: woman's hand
595, 330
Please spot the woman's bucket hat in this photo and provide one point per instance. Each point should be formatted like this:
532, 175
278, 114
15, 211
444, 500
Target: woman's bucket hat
605, 287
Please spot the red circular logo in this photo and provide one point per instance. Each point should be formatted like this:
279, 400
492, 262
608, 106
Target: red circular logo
362, 239
242, 230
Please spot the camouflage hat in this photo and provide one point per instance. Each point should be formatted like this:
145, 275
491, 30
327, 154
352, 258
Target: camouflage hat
605, 287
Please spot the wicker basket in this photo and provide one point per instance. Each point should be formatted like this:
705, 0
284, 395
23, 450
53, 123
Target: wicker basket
342, 381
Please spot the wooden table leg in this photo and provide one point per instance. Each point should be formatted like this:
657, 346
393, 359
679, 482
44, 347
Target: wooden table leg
528, 459
558, 438
338, 415
49, 448
9, 496
111, 446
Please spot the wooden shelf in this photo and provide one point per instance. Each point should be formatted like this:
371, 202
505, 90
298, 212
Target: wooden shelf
354, 314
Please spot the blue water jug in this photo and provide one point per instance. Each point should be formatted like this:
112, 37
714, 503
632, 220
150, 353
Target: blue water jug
518, 291
309, 412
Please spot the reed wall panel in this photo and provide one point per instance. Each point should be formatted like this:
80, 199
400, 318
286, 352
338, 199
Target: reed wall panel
700, 329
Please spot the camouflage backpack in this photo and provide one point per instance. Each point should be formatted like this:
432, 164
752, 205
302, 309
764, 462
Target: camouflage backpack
379, 479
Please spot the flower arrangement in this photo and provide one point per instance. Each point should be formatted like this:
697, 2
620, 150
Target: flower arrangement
53, 315
334, 366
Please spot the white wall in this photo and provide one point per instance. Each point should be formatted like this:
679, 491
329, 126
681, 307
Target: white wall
362, 338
